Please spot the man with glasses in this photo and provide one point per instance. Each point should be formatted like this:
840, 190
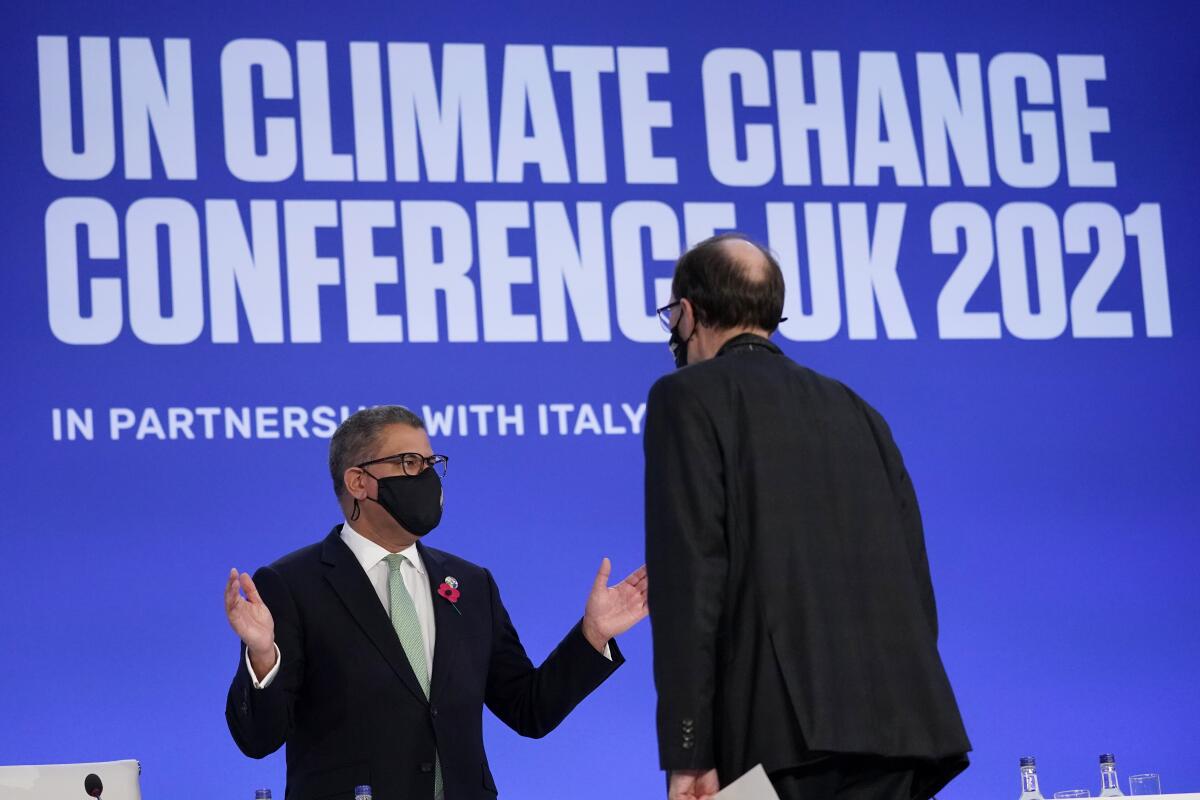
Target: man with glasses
372, 655
792, 611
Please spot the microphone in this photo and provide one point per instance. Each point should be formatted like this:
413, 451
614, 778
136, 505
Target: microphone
93, 785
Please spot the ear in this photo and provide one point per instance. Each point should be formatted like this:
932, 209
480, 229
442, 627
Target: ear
687, 314
355, 480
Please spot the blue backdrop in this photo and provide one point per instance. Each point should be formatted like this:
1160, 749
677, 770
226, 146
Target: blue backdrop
1043, 390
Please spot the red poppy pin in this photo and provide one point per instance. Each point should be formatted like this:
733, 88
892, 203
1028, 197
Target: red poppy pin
449, 590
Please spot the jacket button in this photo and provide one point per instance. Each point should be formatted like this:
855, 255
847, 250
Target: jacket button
433, 711
245, 708
687, 745
426, 766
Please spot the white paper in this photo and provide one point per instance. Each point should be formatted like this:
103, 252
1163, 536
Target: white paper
754, 785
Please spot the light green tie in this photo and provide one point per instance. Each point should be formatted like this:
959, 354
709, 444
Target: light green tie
404, 620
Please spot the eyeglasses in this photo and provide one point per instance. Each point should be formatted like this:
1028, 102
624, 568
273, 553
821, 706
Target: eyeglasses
664, 315
413, 463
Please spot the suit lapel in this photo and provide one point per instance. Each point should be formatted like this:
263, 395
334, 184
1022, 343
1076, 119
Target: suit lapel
350, 583
447, 620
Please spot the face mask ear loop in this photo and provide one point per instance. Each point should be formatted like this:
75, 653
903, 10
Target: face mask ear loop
357, 511
682, 346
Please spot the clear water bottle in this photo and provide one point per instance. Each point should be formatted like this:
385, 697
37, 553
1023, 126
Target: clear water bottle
262, 794
1109, 787
362, 792
1029, 781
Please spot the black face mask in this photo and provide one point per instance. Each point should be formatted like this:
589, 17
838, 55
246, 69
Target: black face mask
679, 345
416, 502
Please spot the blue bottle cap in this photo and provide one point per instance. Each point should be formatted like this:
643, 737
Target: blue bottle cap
1108, 758
1028, 761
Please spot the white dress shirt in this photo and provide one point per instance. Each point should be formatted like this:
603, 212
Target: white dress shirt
372, 557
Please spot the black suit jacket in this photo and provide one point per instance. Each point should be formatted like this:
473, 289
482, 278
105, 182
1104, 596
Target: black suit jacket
348, 705
790, 598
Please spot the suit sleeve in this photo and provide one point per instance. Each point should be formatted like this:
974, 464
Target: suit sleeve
909, 510
534, 700
261, 719
687, 562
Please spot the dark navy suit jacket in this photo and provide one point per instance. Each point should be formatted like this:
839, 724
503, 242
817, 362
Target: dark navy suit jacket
348, 705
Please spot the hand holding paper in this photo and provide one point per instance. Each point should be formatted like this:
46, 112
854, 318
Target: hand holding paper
754, 785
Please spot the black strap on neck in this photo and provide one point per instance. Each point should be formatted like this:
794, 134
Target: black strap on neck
748, 342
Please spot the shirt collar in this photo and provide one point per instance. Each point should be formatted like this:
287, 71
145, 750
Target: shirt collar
369, 553
749, 341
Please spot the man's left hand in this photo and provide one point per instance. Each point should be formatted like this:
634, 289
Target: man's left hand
612, 610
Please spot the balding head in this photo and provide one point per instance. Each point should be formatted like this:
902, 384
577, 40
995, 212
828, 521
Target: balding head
732, 283
747, 257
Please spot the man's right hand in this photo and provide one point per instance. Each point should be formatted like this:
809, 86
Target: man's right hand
251, 620
693, 784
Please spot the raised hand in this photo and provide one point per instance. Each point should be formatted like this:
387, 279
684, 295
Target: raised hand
689, 784
251, 620
612, 610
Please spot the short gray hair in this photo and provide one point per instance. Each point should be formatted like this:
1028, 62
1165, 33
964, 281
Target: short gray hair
354, 440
